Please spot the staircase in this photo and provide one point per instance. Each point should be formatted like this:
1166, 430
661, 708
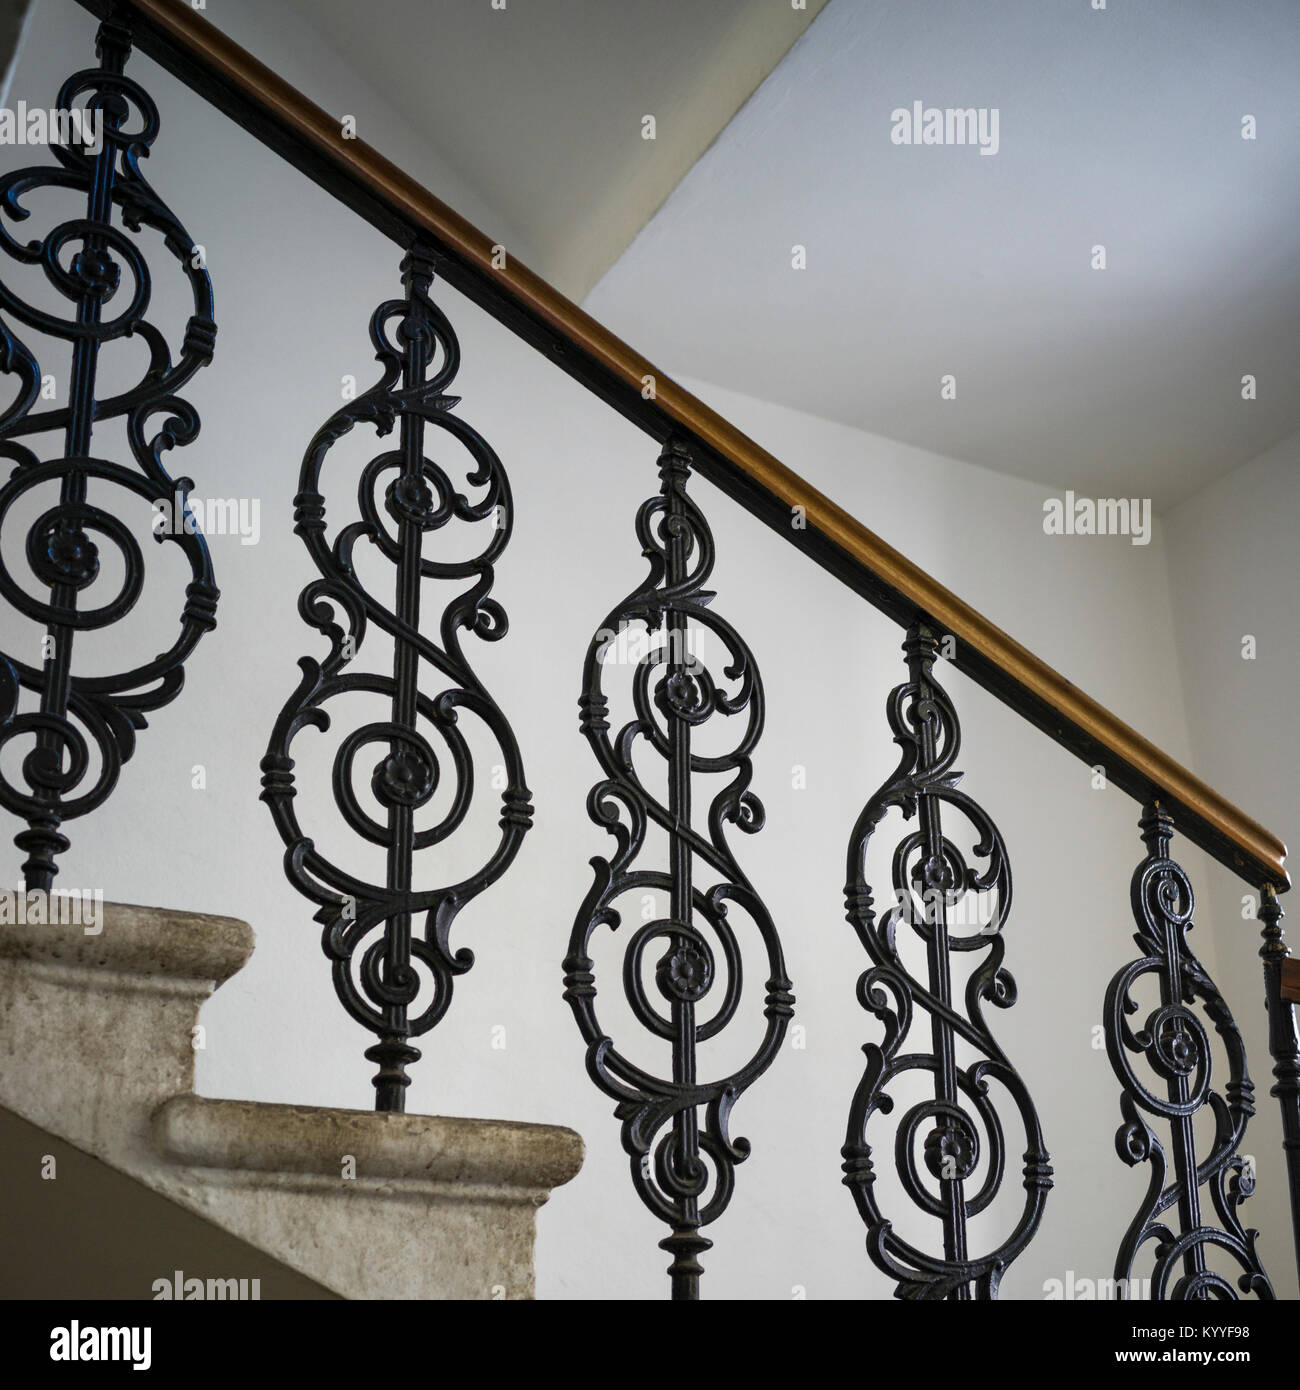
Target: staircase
163, 1193
97, 1043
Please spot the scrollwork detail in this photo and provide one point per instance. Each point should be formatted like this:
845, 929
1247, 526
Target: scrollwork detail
85, 727
957, 1131
676, 1129
367, 926
1176, 1049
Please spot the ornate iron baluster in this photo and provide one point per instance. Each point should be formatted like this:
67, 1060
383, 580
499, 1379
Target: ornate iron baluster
1177, 1049
59, 549
382, 988
673, 602
930, 879
1284, 1045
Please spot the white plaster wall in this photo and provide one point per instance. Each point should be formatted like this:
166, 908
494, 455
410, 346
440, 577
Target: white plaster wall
296, 278
1235, 571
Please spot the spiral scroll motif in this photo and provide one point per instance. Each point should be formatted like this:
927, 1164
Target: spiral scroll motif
1175, 1046
682, 1161
959, 1130
395, 982
73, 744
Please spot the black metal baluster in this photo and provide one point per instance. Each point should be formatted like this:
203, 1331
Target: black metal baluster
59, 549
685, 1244
931, 880
1284, 1045
674, 1181
1176, 1047
373, 921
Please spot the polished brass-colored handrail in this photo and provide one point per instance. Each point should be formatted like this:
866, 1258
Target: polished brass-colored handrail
184, 42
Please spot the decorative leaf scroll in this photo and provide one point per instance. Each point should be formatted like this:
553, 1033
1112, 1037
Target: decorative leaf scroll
1176, 1048
85, 726
390, 978
676, 1129
959, 1128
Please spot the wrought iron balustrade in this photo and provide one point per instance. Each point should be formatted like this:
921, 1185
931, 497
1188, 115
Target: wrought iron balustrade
83, 728
389, 937
688, 1182
960, 1123
369, 930
1173, 1043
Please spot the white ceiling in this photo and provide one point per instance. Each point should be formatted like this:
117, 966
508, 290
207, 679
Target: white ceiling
538, 106
1119, 126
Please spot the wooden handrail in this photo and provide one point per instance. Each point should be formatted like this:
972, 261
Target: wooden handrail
172, 33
